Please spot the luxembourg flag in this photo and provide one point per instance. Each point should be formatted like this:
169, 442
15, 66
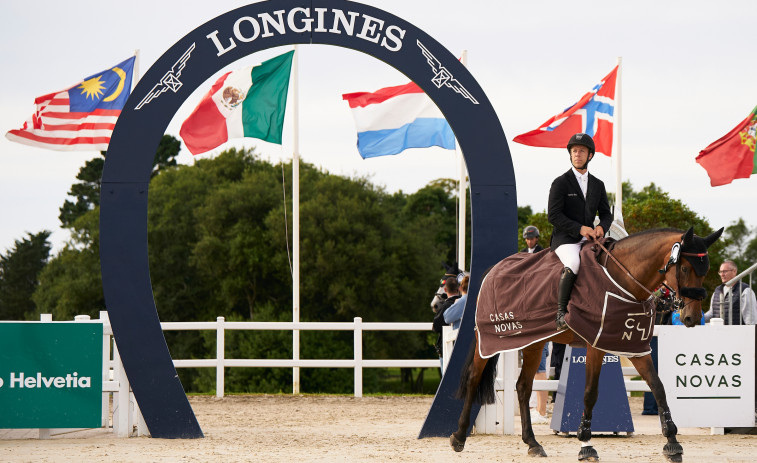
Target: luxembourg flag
394, 119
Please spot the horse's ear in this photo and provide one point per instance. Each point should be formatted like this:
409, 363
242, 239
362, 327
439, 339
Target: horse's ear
686, 237
713, 237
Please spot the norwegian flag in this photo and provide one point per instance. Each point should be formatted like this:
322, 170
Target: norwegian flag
593, 114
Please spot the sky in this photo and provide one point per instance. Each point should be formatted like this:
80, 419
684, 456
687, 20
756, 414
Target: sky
687, 79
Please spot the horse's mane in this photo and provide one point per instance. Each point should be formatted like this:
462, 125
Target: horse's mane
645, 233
653, 231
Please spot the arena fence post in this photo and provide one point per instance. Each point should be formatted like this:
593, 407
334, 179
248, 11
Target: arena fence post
220, 356
358, 336
107, 344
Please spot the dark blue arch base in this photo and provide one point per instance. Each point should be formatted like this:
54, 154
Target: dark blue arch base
186, 66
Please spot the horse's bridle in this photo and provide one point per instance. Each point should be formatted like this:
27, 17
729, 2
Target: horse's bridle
693, 293
672, 302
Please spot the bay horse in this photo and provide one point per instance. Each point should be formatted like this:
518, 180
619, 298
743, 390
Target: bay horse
639, 263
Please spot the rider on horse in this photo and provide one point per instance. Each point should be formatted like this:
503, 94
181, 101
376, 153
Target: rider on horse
575, 199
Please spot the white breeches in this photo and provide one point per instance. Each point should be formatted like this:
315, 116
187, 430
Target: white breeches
569, 255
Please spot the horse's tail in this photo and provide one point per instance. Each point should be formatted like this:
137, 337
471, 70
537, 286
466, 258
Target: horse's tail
485, 390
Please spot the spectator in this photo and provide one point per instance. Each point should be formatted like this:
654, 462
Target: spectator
741, 301
451, 291
454, 314
531, 235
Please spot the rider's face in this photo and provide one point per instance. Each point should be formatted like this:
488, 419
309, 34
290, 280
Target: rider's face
579, 156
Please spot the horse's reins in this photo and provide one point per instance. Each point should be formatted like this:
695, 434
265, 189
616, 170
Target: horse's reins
621, 266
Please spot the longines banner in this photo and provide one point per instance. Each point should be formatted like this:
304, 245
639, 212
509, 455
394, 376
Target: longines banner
50, 375
709, 374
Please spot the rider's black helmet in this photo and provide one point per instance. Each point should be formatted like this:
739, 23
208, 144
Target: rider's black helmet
530, 232
581, 139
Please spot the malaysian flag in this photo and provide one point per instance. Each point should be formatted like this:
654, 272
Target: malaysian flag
593, 114
82, 117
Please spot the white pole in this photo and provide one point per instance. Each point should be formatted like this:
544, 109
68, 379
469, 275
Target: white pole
461, 193
135, 73
618, 149
296, 224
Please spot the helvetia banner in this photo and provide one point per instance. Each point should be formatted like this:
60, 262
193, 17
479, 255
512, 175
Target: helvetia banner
50, 374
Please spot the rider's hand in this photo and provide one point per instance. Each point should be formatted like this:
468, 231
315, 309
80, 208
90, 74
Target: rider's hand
587, 232
599, 232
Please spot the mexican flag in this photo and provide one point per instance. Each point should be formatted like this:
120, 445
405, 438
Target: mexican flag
249, 103
732, 156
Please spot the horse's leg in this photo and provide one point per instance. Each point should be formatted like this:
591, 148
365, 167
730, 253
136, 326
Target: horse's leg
672, 450
594, 359
524, 386
470, 380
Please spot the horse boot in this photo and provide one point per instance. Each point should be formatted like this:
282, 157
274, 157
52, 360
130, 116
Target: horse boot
564, 288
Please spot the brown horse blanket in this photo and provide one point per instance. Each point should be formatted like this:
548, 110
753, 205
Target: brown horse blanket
517, 305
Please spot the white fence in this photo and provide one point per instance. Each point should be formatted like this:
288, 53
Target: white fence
116, 387
116, 390
357, 363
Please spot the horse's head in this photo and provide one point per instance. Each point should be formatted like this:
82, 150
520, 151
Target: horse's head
685, 270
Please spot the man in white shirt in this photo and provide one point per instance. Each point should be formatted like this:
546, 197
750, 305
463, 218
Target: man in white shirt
735, 304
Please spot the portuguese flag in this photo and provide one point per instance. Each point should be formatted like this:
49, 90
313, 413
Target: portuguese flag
249, 103
732, 156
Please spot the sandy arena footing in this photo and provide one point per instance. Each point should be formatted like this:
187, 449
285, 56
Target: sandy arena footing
281, 428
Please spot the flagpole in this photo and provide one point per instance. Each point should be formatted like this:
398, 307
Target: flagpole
135, 73
462, 196
296, 223
618, 149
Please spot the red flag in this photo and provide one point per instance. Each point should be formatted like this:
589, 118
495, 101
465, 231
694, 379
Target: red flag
593, 114
732, 156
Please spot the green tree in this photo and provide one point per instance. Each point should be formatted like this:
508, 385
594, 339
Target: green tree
436, 206
19, 275
86, 192
70, 284
219, 235
524, 214
739, 246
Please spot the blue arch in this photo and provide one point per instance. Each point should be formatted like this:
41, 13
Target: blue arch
185, 67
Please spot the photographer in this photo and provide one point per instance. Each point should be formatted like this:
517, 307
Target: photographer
451, 291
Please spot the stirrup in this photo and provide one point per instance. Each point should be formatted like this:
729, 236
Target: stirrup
560, 319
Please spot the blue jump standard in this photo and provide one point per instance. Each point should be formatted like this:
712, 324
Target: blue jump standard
611, 414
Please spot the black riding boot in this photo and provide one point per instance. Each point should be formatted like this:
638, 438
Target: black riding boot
564, 289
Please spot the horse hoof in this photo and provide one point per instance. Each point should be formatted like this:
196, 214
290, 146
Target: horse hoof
457, 446
588, 454
673, 452
537, 451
